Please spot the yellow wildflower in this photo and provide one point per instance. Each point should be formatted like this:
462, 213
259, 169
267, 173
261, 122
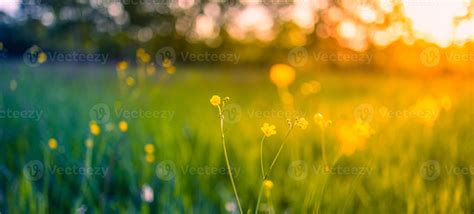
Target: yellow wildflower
94, 128
170, 69
268, 130
320, 121
282, 75
268, 184
130, 81
52, 143
42, 57
150, 158
301, 122
215, 100
122, 66
149, 148
123, 126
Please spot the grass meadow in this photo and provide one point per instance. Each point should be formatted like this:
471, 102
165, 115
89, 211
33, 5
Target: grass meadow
79, 138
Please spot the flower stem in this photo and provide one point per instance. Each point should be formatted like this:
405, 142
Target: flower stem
323, 147
270, 169
231, 176
259, 198
261, 155
277, 155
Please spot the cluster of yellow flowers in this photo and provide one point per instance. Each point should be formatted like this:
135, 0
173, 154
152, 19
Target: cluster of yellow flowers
143, 56
150, 153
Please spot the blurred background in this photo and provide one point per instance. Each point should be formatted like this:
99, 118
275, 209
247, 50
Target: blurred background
104, 106
386, 29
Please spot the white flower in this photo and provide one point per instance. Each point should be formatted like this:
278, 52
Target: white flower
147, 193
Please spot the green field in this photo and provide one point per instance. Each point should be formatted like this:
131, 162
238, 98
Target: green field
415, 155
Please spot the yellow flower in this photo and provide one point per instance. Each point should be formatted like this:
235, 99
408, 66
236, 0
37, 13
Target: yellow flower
268, 184
268, 130
364, 129
143, 55
13, 85
42, 57
302, 123
123, 126
215, 100
320, 121
130, 81
167, 63
122, 66
94, 128
150, 158
52, 143
170, 69
309, 88
282, 75
89, 143
353, 137
149, 148
150, 70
